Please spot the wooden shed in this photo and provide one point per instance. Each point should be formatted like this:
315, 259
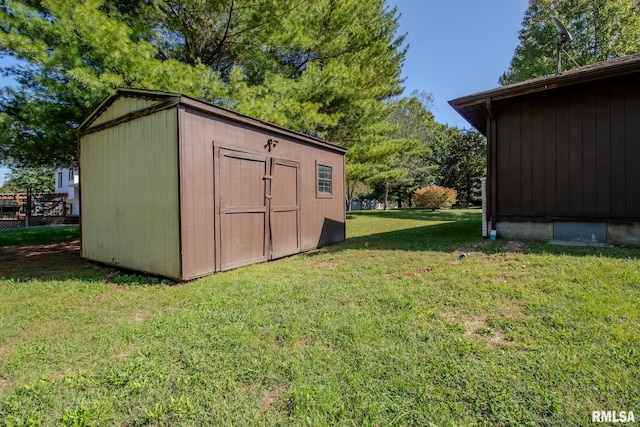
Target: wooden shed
563, 154
181, 188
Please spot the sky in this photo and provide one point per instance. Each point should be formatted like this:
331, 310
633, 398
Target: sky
456, 48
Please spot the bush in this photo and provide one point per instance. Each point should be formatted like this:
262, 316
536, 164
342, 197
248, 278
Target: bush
435, 197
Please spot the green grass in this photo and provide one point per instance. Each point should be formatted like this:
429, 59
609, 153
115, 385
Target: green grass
38, 235
387, 328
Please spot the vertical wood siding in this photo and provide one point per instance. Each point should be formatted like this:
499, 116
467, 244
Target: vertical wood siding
129, 176
322, 220
575, 153
202, 137
122, 106
196, 194
284, 216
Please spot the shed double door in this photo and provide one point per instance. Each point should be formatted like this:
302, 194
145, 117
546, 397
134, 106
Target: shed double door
259, 208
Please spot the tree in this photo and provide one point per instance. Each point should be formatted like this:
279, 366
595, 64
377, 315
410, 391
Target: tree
401, 159
602, 29
416, 125
76, 54
462, 160
39, 180
325, 71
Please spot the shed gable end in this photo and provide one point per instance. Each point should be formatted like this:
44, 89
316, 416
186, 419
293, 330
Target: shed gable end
123, 108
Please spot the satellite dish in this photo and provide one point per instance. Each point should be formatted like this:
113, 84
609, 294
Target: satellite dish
563, 33
564, 36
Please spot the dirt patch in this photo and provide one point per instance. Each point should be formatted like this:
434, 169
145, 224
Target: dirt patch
273, 399
55, 261
140, 317
462, 252
513, 246
303, 341
512, 310
279, 341
332, 347
473, 247
478, 327
270, 398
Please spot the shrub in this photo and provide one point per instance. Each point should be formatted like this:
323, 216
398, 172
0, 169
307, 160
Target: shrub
435, 197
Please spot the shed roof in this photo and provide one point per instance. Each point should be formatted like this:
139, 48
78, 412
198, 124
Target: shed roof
169, 99
476, 107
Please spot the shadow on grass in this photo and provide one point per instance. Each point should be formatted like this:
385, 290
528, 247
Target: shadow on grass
61, 261
449, 231
49, 261
422, 214
462, 230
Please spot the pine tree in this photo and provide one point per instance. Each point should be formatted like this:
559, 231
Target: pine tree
322, 67
602, 29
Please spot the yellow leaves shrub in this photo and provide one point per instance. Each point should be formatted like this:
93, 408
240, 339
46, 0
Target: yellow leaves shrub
435, 197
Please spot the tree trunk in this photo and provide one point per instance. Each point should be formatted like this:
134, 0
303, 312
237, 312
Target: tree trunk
386, 196
350, 197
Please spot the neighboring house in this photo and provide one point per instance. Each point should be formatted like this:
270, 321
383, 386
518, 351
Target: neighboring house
181, 188
67, 182
366, 204
563, 154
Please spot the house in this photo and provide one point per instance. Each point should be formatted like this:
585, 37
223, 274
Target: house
563, 154
67, 182
181, 188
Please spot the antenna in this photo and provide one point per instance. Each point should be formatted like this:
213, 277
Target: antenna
564, 36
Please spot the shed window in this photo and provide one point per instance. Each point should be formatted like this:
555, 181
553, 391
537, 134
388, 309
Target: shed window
324, 180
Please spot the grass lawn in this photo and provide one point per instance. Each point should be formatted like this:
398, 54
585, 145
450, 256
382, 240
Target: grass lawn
38, 235
392, 327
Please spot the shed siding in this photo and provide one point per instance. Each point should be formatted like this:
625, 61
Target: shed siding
196, 193
122, 106
154, 188
130, 214
580, 145
322, 220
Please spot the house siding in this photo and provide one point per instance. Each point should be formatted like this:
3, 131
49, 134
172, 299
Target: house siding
572, 154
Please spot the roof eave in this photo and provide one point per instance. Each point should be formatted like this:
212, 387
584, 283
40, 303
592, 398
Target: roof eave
205, 107
110, 99
620, 67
